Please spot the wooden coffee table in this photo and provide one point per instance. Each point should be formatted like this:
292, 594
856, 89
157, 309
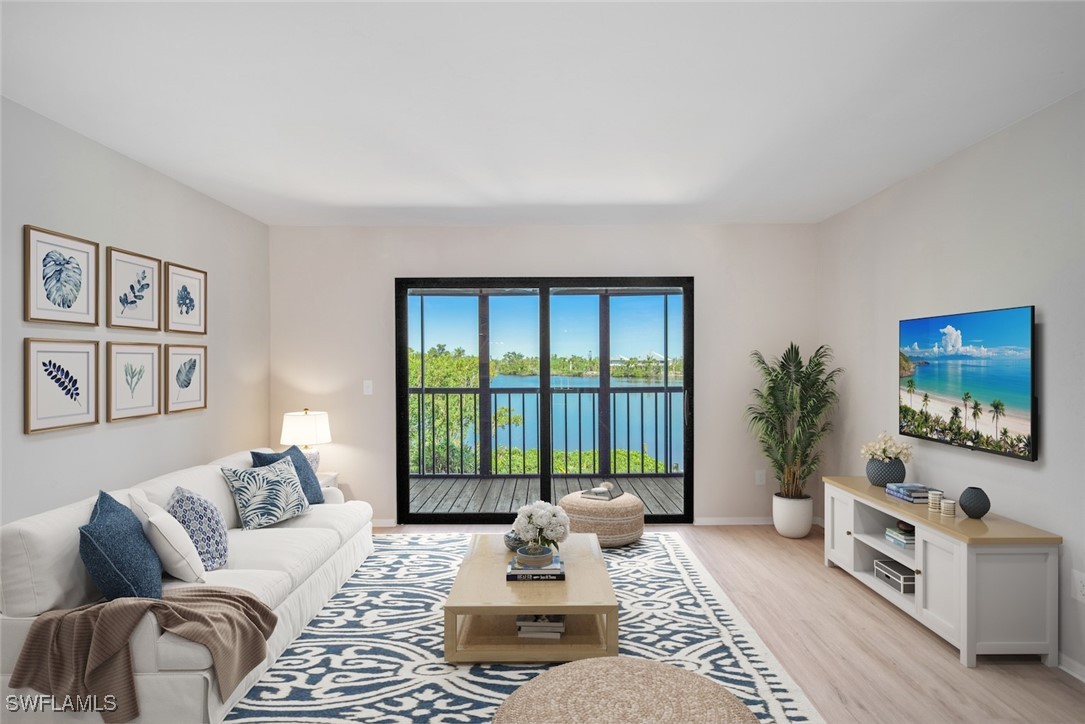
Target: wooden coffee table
481, 610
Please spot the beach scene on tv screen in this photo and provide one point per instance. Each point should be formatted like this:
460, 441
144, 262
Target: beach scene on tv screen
966, 379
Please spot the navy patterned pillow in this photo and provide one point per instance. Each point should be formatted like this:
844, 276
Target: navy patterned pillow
268, 494
119, 558
204, 524
306, 475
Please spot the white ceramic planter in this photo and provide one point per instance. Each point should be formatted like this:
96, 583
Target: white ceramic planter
793, 517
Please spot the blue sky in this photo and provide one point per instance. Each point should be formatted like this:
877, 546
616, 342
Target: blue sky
999, 333
636, 324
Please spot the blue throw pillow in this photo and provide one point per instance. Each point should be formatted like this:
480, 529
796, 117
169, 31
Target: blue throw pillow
204, 524
306, 474
266, 495
119, 558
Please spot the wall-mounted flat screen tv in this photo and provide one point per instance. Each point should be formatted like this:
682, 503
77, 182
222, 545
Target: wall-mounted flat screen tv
969, 380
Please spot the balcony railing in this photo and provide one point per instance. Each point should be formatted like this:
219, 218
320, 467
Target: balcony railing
449, 437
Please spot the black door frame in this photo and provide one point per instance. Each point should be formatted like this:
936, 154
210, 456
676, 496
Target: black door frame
544, 285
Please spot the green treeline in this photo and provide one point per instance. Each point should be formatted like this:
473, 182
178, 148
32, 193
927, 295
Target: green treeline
455, 368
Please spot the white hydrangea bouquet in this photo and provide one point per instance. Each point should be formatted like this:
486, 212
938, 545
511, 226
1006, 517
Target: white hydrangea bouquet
541, 524
885, 449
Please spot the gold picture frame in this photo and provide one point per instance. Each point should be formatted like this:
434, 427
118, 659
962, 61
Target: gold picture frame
184, 304
60, 384
133, 369
132, 290
184, 377
60, 278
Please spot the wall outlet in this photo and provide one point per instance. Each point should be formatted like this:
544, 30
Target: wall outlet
759, 477
1077, 585
367, 387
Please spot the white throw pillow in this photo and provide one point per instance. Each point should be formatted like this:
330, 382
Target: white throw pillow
171, 542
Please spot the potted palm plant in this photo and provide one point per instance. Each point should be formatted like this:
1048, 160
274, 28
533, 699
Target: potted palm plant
790, 416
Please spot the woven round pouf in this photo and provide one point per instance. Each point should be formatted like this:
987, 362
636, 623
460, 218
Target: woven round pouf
620, 689
616, 522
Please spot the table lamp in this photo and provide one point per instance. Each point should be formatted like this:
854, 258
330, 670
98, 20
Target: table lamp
306, 428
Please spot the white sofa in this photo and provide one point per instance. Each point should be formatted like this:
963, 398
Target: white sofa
294, 567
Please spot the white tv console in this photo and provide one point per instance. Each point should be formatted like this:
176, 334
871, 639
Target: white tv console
987, 586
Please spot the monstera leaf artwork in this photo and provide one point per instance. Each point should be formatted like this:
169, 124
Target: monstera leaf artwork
184, 374
62, 278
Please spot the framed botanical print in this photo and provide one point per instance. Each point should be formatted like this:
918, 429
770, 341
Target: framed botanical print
60, 384
185, 303
132, 380
133, 290
60, 278
185, 374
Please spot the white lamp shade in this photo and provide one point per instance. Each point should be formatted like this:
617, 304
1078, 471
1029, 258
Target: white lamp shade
306, 428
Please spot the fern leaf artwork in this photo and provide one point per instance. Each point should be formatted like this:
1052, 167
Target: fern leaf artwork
185, 302
184, 375
62, 279
135, 293
64, 379
132, 376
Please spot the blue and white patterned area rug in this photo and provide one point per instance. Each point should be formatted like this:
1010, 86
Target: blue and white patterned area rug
375, 652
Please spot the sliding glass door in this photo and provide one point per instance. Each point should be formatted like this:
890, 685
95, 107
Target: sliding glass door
514, 390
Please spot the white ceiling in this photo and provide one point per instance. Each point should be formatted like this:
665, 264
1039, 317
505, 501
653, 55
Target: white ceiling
349, 113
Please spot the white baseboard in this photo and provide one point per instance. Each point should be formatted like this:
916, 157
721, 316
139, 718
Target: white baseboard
384, 523
732, 521
1074, 668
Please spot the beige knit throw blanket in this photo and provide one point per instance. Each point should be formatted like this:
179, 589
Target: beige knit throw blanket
84, 651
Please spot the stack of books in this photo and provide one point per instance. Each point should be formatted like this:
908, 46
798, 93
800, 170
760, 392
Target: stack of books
553, 572
899, 538
910, 492
540, 626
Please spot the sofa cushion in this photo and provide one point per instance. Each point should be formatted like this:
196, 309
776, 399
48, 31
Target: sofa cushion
119, 558
171, 542
271, 587
204, 524
309, 482
205, 480
174, 653
345, 519
296, 552
267, 494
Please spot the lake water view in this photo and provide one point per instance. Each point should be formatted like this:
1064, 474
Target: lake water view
576, 414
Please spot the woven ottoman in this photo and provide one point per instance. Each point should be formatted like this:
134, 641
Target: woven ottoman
617, 522
620, 689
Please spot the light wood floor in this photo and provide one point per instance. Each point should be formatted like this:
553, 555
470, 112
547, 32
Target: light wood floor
858, 658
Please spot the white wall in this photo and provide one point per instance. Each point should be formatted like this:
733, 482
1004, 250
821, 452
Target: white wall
333, 326
57, 179
1001, 224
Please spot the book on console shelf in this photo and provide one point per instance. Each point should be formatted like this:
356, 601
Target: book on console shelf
900, 535
907, 498
910, 492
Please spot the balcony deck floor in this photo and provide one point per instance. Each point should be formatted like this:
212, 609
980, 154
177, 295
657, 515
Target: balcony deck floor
662, 495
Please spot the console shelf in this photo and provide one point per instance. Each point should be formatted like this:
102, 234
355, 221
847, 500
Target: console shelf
987, 586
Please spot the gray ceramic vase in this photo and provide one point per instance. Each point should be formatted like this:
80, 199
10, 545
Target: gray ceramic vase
974, 502
881, 473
